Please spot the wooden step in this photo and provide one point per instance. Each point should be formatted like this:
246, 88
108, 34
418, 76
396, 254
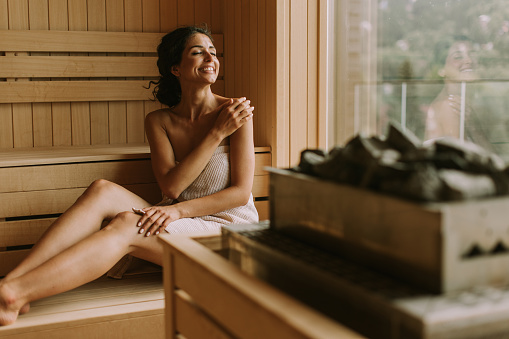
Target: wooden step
132, 307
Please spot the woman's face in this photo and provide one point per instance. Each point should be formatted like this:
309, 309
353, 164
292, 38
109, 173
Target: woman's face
460, 63
199, 61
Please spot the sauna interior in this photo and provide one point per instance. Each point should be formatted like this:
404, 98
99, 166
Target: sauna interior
73, 98
74, 93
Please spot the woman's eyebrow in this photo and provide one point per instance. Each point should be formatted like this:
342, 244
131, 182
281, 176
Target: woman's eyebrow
200, 46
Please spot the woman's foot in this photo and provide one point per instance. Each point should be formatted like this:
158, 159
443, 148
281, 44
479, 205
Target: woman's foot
24, 309
8, 308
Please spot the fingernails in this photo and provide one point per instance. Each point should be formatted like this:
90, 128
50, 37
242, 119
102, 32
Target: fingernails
157, 232
141, 231
148, 233
138, 224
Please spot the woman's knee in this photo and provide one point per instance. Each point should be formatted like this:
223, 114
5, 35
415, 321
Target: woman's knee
101, 187
123, 221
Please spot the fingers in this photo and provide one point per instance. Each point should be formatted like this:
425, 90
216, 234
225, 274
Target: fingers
152, 222
243, 111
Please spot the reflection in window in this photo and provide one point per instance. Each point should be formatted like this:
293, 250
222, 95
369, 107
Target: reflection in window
439, 67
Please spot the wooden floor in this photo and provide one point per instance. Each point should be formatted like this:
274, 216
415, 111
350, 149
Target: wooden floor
132, 307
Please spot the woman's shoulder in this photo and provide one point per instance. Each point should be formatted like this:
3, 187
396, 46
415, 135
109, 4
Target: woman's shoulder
220, 99
162, 115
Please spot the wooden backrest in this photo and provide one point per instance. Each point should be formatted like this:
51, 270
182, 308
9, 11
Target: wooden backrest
70, 88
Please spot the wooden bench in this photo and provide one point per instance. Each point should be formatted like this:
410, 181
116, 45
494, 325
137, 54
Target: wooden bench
72, 106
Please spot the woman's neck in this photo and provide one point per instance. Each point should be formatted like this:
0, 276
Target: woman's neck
194, 103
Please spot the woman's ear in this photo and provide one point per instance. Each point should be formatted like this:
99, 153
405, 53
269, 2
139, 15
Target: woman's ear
175, 71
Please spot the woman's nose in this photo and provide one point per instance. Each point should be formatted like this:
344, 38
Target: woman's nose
208, 55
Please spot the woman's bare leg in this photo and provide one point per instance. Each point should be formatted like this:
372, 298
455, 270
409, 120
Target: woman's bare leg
102, 200
78, 264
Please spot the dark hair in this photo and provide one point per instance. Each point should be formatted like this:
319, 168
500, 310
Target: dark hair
442, 47
169, 52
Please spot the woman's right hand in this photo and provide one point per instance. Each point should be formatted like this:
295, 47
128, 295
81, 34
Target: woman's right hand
233, 114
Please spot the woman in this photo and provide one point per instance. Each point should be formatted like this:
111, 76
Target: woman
444, 114
203, 158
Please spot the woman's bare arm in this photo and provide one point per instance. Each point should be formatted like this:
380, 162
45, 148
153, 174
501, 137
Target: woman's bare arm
174, 178
237, 194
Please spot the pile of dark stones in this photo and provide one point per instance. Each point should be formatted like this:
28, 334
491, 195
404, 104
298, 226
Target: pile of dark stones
400, 164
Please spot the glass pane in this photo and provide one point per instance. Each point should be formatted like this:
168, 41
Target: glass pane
442, 69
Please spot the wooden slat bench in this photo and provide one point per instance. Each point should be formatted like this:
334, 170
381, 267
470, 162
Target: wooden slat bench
72, 106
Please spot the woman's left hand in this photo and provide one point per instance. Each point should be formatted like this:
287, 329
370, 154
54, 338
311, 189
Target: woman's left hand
156, 219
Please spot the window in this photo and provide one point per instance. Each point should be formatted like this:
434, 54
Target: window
438, 67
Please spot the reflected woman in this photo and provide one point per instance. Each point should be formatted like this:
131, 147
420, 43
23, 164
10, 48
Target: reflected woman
443, 118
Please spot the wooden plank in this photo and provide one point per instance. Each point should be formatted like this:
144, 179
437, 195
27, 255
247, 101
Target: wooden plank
23, 232
80, 111
19, 204
96, 15
202, 12
78, 41
21, 114
4, 15
42, 124
323, 75
99, 126
102, 308
312, 75
133, 15
135, 122
73, 91
298, 80
62, 155
9, 260
261, 186
238, 79
58, 18
230, 50
261, 118
116, 110
151, 16
61, 112
245, 32
118, 324
18, 15
169, 288
21, 40
38, 178
98, 110
168, 15
22, 123
80, 122
135, 115
245, 306
263, 209
262, 160
192, 322
218, 11
253, 58
6, 137
117, 122
185, 13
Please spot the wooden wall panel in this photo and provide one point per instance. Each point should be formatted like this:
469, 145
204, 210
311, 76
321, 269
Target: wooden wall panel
271, 56
168, 15
21, 113
61, 111
99, 132
91, 123
41, 112
6, 139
